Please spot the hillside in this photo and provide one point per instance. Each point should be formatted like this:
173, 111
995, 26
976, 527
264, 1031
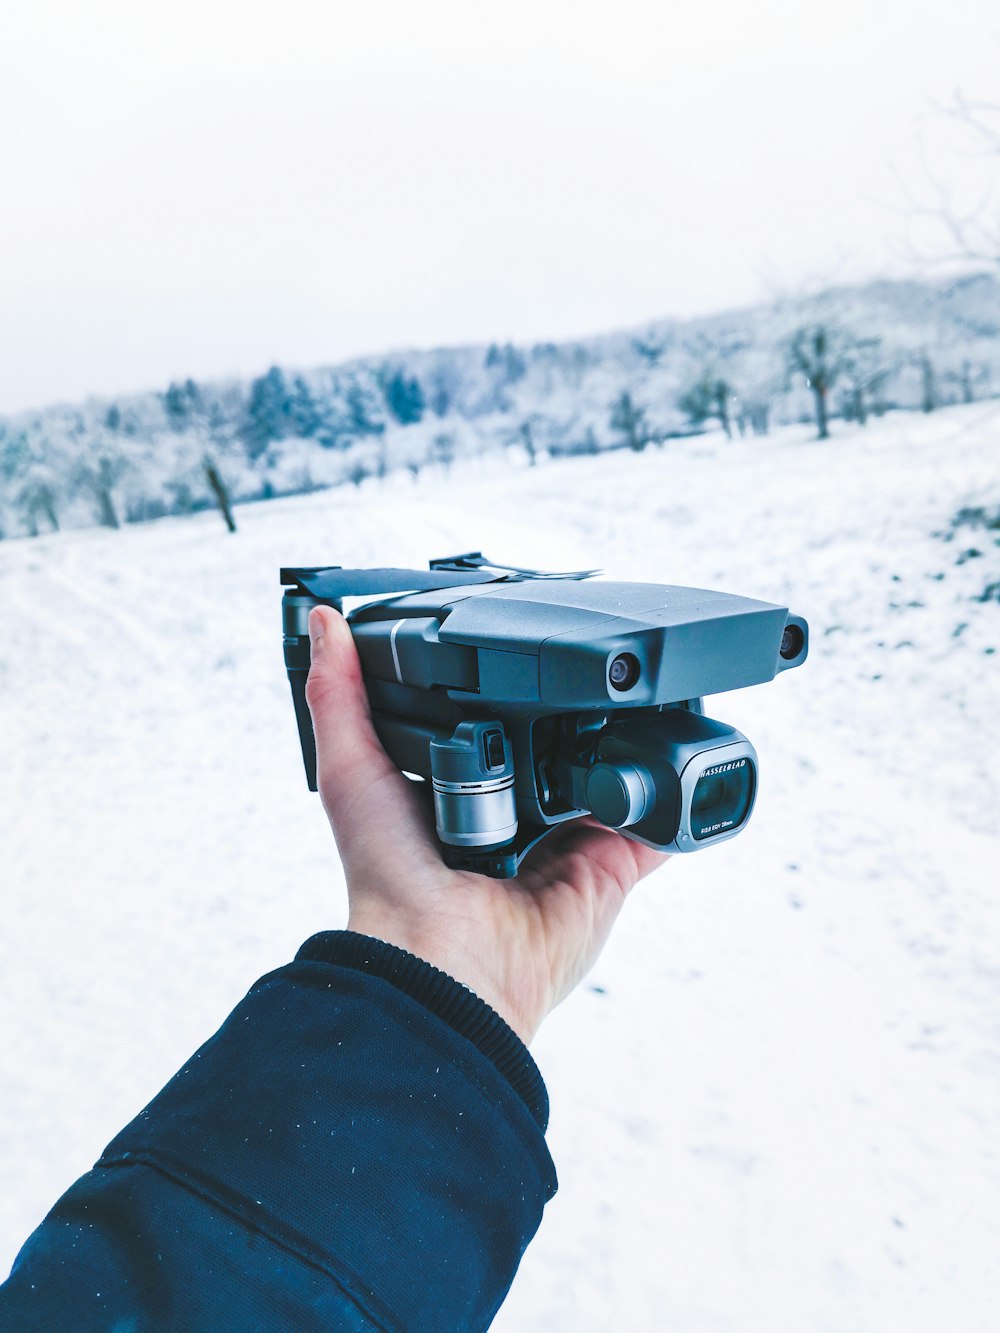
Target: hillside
864, 350
774, 1102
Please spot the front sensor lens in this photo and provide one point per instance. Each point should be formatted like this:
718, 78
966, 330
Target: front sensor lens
792, 642
623, 671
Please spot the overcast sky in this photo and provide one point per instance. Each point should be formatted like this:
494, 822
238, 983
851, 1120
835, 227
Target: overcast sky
206, 188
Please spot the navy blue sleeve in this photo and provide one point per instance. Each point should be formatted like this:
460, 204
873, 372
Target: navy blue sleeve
360, 1146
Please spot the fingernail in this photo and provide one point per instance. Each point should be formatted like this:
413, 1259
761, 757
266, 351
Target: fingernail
315, 625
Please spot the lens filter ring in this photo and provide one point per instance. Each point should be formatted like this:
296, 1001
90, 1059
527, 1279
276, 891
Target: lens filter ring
718, 794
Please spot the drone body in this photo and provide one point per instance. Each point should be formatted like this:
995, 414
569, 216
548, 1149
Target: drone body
530, 699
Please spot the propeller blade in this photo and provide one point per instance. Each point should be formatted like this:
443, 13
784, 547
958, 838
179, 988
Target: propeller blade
476, 560
333, 584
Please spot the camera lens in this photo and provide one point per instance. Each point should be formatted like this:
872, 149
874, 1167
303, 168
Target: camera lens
791, 642
722, 798
709, 795
623, 671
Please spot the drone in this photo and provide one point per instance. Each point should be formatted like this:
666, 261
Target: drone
527, 699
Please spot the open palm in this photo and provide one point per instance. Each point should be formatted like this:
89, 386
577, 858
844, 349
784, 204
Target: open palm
521, 944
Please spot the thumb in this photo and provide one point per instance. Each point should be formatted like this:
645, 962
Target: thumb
364, 794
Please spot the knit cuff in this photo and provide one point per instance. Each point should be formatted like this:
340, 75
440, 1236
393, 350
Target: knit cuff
453, 1002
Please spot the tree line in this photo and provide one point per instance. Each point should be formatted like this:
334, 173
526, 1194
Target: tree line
195, 446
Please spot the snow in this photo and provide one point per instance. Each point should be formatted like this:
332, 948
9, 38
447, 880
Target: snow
776, 1100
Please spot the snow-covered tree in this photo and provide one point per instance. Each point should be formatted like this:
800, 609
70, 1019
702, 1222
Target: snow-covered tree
526, 435
507, 362
629, 420
443, 449
819, 352
928, 382
404, 397
304, 414
101, 476
363, 416
708, 399
38, 498
269, 412
865, 370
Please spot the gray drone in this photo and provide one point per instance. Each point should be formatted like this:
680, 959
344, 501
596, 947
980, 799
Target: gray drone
528, 699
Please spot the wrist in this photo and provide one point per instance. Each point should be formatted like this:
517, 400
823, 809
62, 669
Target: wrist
458, 959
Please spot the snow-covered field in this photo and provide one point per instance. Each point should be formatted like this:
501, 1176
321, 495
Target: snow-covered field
776, 1102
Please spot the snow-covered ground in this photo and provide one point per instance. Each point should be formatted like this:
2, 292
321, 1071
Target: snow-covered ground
776, 1101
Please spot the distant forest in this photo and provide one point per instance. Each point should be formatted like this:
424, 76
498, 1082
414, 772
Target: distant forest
842, 355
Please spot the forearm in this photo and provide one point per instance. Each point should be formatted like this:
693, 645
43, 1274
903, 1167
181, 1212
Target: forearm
359, 1146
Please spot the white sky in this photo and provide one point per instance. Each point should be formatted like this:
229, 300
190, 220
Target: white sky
206, 188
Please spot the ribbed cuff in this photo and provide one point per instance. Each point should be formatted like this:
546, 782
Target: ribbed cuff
449, 999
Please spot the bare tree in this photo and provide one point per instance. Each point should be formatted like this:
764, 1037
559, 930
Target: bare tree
928, 383
526, 434
708, 399
381, 458
589, 444
753, 414
967, 231
105, 478
101, 477
968, 379
864, 372
188, 410
444, 385
756, 381
443, 449
630, 420
37, 499
219, 489
819, 352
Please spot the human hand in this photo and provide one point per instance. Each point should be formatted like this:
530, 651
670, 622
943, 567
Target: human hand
521, 944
